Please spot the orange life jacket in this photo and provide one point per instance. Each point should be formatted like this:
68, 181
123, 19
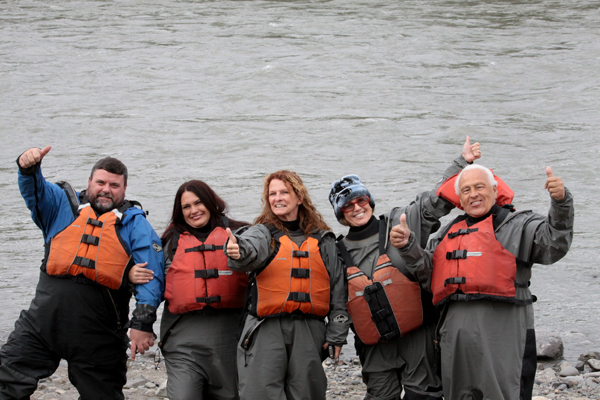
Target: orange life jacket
90, 246
294, 281
447, 191
471, 264
385, 306
199, 276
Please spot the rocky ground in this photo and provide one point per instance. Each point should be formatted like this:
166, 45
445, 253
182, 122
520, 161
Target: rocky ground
555, 379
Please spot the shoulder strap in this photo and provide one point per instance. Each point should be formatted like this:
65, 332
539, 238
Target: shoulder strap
344, 252
174, 242
382, 235
451, 224
276, 233
71, 196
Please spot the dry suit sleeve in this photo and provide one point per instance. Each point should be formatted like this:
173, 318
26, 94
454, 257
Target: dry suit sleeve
423, 214
547, 240
338, 317
419, 260
255, 249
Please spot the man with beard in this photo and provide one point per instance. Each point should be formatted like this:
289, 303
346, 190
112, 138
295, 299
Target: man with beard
81, 305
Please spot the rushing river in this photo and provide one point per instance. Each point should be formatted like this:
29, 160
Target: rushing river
228, 91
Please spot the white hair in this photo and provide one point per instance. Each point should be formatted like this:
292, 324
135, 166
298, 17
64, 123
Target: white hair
487, 171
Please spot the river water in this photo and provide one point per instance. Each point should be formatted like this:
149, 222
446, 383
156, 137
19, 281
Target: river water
228, 91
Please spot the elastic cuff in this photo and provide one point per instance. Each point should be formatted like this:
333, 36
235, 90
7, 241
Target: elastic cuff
28, 171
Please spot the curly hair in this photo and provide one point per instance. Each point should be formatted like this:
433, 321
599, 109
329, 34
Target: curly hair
311, 221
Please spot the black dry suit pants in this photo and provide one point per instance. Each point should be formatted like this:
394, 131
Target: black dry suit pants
71, 321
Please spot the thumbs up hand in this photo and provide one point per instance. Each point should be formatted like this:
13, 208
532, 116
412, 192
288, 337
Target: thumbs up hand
555, 185
33, 156
233, 248
400, 234
471, 152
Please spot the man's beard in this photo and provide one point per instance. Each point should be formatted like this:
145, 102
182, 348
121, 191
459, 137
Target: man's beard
102, 208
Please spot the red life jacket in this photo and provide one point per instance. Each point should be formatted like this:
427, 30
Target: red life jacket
294, 281
199, 275
386, 306
471, 264
90, 246
447, 191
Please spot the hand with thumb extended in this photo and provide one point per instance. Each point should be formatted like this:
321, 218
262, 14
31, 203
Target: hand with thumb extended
555, 185
400, 234
33, 156
233, 248
471, 152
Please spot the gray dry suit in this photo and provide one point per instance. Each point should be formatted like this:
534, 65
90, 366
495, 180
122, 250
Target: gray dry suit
200, 350
283, 360
406, 360
488, 347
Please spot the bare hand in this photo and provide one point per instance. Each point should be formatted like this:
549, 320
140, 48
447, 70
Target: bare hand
555, 185
233, 248
140, 275
33, 156
471, 152
140, 341
338, 350
400, 234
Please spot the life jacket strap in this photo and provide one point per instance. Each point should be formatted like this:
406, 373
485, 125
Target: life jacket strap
462, 232
89, 239
204, 247
382, 314
298, 253
206, 273
456, 255
300, 273
375, 287
299, 296
456, 280
95, 222
208, 300
85, 262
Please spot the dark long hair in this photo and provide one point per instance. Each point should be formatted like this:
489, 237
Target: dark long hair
213, 203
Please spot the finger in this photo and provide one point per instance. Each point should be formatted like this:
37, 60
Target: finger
232, 237
403, 223
44, 151
549, 172
325, 346
133, 351
468, 141
338, 350
142, 265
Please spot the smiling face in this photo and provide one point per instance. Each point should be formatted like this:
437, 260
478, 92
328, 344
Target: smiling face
358, 215
105, 190
194, 211
477, 194
283, 200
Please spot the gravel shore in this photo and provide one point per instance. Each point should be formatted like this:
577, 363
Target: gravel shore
146, 379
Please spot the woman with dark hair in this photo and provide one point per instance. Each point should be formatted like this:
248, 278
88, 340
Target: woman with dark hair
203, 297
296, 282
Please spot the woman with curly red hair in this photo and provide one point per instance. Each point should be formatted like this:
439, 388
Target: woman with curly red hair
296, 284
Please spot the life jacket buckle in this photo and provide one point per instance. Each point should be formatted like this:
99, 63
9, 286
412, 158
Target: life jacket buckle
206, 273
300, 273
456, 255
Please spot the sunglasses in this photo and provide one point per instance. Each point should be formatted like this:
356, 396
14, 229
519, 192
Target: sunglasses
361, 201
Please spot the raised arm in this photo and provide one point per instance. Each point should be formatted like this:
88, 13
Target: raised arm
48, 203
252, 249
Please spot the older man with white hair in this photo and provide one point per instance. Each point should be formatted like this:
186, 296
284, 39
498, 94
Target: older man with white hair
478, 268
